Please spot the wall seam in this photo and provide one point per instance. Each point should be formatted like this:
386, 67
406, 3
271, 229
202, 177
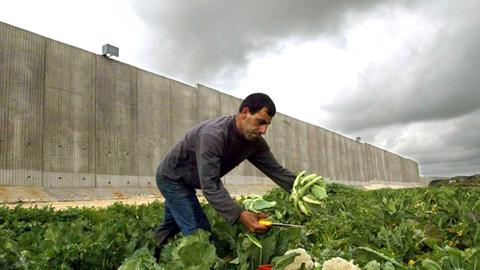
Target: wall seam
42, 182
135, 148
95, 125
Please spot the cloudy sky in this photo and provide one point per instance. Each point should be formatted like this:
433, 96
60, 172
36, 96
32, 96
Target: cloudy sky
402, 75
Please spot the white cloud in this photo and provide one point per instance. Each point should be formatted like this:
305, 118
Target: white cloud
85, 24
300, 77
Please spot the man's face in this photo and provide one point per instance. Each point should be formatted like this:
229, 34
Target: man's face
254, 125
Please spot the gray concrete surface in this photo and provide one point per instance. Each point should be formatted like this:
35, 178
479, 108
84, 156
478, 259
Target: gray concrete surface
183, 109
73, 119
69, 117
208, 103
153, 122
22, 88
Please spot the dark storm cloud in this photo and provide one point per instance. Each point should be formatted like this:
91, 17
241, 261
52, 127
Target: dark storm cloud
443, 147
201, 41
431, 83
458, 151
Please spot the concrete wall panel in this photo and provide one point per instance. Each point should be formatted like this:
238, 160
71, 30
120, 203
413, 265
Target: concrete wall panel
322, 150
400, 174
379, 167
280, 139
361, 161
69, 117
383, 166
358, 161
364, 162
331, 154
371, 162
116, 110
153, 123
413, 170
313, 149
302, 145
396, 168
22, 65
208, 103
345, 159
229, 104
353, 160
340, 158
183, 109
393, 168
407, 176
388, 166
404, 167
370, 169
338, 154
349, 159
289, 145
68, 146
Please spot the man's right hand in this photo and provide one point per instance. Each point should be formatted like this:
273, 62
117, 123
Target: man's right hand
250, 221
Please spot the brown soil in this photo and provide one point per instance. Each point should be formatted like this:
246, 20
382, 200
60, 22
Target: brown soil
93, 203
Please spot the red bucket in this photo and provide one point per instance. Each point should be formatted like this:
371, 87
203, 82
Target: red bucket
264, 267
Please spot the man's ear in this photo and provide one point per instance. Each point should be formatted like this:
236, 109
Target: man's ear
242, 115
245, 110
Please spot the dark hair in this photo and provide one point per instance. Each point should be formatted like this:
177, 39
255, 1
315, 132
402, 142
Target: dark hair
256, 101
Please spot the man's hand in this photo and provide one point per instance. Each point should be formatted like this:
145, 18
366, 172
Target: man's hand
250, 221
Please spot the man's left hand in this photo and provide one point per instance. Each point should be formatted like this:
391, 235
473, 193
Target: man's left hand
250, 221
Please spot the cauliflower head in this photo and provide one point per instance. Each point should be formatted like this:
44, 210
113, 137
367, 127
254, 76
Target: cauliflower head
338, 263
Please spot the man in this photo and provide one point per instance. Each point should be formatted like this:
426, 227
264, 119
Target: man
206, 153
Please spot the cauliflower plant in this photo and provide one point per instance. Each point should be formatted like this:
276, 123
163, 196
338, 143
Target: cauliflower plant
338, 263
299, 259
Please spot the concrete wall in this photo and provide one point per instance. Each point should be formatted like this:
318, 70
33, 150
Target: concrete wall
73, 119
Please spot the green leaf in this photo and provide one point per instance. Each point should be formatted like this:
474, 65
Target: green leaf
319, 192
260, 204
254, 240
280, 262
430, 265
197, 254
140, 260
256, 205
195, 250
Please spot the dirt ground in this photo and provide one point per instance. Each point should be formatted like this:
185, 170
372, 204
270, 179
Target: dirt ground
91, 203
59, 205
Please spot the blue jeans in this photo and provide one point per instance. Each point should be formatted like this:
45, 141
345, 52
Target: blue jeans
182, 210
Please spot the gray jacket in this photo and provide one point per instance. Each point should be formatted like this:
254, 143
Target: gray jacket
209, 151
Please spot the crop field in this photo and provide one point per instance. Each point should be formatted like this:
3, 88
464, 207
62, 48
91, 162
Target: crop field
416, 228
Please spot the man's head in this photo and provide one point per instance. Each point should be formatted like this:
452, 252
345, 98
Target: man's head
254, 115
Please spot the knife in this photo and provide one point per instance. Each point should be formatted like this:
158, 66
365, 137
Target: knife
269, 223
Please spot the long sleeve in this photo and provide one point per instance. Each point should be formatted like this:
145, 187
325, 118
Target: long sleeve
208, 155
266, 162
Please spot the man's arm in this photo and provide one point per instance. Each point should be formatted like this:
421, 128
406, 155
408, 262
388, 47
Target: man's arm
208, 155
266, 162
